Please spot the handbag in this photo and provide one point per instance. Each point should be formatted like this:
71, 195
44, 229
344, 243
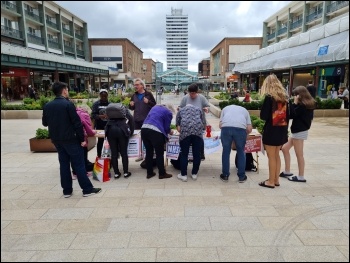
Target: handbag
101, 168
106, 150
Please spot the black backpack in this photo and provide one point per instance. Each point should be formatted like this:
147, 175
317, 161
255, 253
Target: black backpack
249, 162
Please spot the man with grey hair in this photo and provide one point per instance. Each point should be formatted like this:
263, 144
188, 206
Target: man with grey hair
141, 103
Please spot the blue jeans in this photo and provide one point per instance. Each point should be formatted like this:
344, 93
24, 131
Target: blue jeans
197, 144
239, 136
72, 153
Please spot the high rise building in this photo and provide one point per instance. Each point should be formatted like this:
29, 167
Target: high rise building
177, 39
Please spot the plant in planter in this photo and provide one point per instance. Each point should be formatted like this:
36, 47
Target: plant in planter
41, 142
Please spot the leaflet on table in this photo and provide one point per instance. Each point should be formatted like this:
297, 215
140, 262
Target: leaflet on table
212, 144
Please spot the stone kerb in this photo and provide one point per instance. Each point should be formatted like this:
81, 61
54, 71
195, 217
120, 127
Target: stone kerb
215, 110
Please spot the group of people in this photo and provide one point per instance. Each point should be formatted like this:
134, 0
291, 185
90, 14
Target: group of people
68, 131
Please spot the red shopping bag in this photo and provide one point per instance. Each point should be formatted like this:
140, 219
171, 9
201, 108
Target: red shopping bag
100, 171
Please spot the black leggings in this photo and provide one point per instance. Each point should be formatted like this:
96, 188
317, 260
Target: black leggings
119, 145
154, 142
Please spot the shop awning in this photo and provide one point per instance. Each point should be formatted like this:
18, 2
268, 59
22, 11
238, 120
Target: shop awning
329, 43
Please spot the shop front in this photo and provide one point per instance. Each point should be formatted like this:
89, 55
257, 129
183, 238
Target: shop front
329, 78
14, 83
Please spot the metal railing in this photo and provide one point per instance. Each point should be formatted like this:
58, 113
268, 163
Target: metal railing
80, 52
33, 16
9, 6
66, 31
282, 31
78, 36
35, 39
336, 6
296, 24
315, 15
68, 49
53, 44
271, 36
10, 32
51, 24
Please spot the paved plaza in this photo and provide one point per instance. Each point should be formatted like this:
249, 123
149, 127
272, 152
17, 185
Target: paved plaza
139, 219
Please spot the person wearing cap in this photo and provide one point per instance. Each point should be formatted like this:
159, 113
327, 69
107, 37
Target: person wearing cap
99, 115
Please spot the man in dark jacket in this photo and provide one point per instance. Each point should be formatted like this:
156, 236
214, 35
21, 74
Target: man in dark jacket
141, 103
98, 113
67, 134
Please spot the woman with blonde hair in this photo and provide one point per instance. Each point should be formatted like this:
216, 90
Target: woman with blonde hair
301, 111
275, 113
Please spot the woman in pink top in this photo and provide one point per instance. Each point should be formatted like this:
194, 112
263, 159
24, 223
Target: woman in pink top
83, 112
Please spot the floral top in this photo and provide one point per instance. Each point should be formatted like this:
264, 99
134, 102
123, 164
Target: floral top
190, 120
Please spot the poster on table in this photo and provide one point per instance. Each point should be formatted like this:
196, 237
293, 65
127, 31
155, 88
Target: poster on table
173, 149
134, 147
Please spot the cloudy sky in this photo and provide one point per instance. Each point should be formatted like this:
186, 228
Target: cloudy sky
143, 23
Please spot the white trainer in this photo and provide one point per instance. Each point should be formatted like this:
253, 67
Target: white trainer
183, 178
194, 177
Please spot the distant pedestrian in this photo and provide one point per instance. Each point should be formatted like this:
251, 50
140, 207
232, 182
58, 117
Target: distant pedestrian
32, 94
344, 95
312, 89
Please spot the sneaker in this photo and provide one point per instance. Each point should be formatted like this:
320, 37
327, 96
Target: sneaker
243, 179
183, 178
67, 195
194, 177
224, 178
117, 175
126, 175
93, 192
285, 175
165, 176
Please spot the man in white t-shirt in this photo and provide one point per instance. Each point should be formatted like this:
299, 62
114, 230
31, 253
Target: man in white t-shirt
235, 125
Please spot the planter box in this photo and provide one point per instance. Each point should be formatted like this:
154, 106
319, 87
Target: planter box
41, 145
45, 145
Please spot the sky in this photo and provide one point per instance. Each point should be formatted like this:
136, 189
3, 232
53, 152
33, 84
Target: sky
143, 23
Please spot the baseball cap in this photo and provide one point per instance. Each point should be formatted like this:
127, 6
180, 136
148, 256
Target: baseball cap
103, 90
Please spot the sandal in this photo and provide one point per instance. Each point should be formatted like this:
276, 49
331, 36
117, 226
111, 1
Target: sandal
296, 179
265, 185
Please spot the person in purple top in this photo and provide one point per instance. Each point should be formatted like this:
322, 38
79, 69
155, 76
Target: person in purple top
154, 134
